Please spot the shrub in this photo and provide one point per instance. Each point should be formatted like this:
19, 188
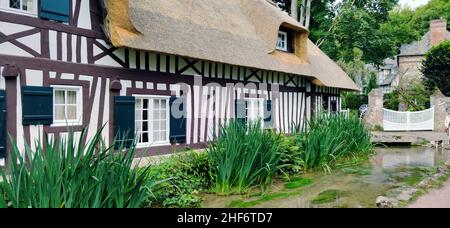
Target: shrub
187, 174
65, 175
436, 68
243, 156
291, 160
378, 127
353, 101
330, 137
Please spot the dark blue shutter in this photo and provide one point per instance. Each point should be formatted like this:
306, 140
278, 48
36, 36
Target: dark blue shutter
177, 120
241, 111
3, 135
37, 105
57, 10
124, 121
268, 114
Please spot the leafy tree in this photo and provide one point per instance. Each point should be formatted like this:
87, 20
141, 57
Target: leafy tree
353, 101
357, 28
338, 26
406, 25
371, 84
401, 28
391, 100
435, 9
436, 68
415, 96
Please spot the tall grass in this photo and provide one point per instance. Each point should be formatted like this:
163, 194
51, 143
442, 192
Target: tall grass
242, 157
330, 137
73, 175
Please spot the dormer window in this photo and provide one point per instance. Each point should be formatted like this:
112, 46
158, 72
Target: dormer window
28, 7
282, 43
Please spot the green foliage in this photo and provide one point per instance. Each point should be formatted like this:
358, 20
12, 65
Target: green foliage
378, 127
356, 170
67, 176
331, 137
436, 68
291, 160
243, 156
371, 84
297, 183
414, 94
353, 101
328, 196
357, 28
391, 100
187, 174
406, 25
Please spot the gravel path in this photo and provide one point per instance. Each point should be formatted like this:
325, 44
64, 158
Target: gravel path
437, 198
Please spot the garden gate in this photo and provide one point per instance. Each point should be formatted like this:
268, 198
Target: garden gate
408, 121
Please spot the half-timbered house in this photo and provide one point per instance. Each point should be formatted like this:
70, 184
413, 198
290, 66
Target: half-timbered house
69, 65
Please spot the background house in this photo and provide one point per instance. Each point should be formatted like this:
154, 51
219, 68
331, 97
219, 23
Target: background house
409, 60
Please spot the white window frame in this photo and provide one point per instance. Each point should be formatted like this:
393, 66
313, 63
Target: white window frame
284, 47
261, 110
150, 124
4, 6
79, 120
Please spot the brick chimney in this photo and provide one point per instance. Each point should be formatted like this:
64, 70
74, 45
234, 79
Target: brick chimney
438, 30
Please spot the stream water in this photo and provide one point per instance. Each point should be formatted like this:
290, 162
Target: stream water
389, 168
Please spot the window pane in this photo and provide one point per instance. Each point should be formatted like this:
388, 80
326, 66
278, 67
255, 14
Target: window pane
162, 136
156, 137
71, 112
71, 97
138, 115
145, 138
145, 115
59, 113
138, 126
138, 104
145, 126
15, 4
163, 114
156, 114
163, 103
156, 125
59, 97
145, 103
156, 104
27, 5
163, 125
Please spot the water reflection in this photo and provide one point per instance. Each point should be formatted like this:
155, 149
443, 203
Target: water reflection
407, 157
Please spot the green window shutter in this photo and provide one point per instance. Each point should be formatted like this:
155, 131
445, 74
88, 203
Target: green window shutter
241, 110
3, 135
124, 120
177, 120
37, 105
57, 10
268, 114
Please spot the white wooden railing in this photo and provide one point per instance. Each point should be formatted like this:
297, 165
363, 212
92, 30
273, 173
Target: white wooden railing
408, 121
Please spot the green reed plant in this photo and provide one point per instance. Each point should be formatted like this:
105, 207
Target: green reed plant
243, 156
330, 137
66, 173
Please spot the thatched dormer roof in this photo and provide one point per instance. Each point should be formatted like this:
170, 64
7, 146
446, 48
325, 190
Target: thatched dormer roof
236, 32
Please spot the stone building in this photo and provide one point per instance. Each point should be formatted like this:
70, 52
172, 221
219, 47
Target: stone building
411, 55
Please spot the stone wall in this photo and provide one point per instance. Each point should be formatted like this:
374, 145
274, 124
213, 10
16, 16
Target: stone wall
441, 105
409, 68
374, 115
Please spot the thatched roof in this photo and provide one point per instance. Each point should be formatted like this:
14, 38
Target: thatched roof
237, 32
